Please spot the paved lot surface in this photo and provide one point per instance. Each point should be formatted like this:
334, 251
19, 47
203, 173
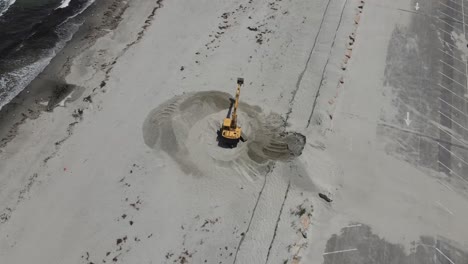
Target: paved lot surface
426, 76
357, 244
426, 64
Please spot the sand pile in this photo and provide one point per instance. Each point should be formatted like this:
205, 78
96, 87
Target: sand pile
186, 127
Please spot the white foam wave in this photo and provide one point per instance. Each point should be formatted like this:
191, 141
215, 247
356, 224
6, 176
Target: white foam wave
20, 78
5, 4
64, 4
11, 84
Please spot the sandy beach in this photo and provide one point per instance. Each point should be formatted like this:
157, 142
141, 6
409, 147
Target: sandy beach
110, 155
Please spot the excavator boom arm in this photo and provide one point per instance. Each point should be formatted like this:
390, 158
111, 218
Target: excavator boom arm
240, 82
236, 105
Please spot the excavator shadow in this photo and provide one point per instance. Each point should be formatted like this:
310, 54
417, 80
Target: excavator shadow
225, 143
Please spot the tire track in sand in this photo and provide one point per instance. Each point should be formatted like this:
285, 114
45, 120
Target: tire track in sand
252, 215
294, 92
326, 64
301, 75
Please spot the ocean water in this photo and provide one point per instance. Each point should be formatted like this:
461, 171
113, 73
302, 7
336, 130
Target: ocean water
31, 33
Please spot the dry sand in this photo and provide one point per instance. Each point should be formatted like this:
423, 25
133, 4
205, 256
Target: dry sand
129, 171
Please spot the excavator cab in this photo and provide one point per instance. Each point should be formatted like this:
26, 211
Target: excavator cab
231, 133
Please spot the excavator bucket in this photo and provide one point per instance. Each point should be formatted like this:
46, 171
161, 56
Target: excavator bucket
240, 81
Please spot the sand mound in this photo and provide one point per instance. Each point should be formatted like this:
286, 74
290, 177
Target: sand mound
186, 127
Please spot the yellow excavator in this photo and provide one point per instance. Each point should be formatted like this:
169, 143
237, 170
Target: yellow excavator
231, 133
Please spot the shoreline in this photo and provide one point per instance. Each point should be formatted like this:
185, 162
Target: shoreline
49, 88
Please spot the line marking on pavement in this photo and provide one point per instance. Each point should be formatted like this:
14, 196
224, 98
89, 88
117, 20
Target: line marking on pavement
464, 74
446, 32
458, 110
446, 186
453, 154
445, 22
454, 2
451, 135
453, 93
456, 10
448, 54
451, 171
445, 208
353, 226
339, 251
401, 145
450, 17
449, 44
445, 75
452, 120
464, 34
438, 250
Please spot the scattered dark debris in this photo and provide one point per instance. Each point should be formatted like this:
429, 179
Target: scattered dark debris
131, 222
131, 171
108, 253
103, 83
298, 211
88, 99
210, 221
124, 216
252, 28
259, 38
136, 204
242, 234
324, 197
137, 239
150, 235
114, 259
120, 240
78, 113
182, 68
225, 15
169, 255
